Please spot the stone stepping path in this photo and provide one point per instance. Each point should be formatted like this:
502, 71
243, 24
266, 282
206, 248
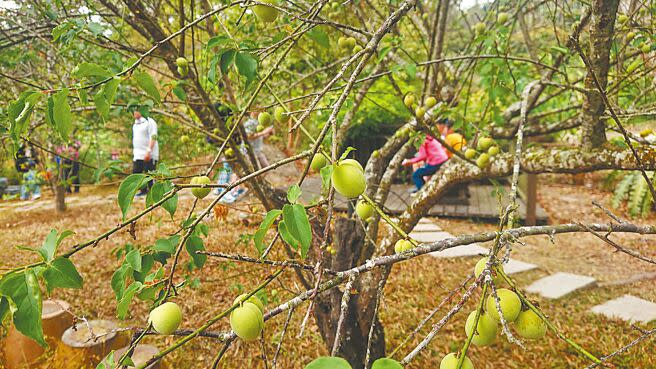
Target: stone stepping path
560, 284
628, 308
515, 266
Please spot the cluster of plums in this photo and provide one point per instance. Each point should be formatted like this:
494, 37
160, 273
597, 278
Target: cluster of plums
246, 320
420, 111
486, 148
526, 322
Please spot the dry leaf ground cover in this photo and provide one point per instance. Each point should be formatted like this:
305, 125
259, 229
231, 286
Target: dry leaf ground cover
414, 288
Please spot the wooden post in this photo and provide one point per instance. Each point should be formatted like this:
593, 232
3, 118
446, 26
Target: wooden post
23, 352
531, 199
140, 355
81, 347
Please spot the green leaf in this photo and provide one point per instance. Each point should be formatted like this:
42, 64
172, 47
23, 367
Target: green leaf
146, 264
158, 191
227, 58
147, 84
346, 152
25, 303
286, 236
133, 258
293, 193
298, 225
108, 362
218, 41
118, 280
271, 217
61, 114
319, 36
61, 273
246, 65
90, 70
386, 363
164, 245
49, 246
326, 173
179, 91
4, 309
328, 362
124, 303
128, 189
193, 244
102, 105
19, 113
109, 89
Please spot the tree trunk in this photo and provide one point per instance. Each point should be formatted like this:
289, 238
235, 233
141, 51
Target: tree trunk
602, 28
60, 197
349, 240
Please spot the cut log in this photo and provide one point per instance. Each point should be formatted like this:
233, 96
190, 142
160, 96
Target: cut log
82, 347
22, 352
140, 355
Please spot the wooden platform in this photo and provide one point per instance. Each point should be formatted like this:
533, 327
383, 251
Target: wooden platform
481, 203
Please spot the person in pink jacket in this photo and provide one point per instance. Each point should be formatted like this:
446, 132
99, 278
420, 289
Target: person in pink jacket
432, 154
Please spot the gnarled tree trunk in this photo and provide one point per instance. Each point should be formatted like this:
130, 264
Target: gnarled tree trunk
349, 241
602, 29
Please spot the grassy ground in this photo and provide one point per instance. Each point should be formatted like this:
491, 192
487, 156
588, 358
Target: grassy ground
414, 288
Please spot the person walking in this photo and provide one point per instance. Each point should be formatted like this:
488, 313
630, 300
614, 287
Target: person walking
145, 149
256, 139
433, 155
68, 157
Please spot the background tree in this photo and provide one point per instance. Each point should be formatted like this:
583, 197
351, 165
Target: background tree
506, 70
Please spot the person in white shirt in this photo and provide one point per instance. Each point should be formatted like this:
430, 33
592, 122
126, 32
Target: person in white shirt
256, 139
145, 150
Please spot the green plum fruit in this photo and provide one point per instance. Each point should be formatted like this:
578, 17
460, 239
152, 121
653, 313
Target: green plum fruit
266, 13
318, 161
480, 265
253, 300
200, 192
483, 160
470, 153
486, 329
450, 361
348, 180
280, 115
166, 318
479, 28
484, 143
409, 100
247, 321
529, 325
264, 118
493, 150
510, 303
430, 102
402, 246
364, 210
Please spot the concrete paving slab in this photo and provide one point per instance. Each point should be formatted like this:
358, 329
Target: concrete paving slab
426, 227
461, 251
560, 284
516, 266
628, 308
430, 236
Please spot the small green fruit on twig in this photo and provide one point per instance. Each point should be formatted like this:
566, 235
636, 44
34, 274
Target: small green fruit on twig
200, 192
450, 361
364, 210
165, 318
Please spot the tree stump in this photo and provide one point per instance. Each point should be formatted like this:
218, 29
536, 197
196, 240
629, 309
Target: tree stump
82, 347
21, 351
140, 355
